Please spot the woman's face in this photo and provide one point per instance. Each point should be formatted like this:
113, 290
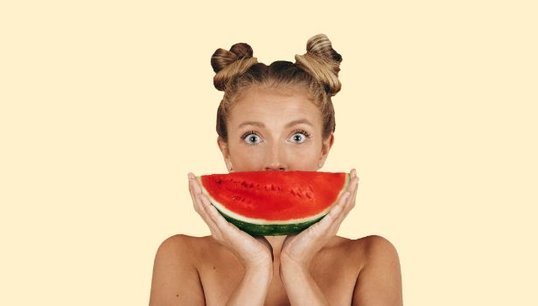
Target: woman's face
275, 129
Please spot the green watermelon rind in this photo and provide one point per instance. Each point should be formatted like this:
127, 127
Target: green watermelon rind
260, 227
274, 229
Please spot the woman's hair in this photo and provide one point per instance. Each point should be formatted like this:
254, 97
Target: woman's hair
316, 70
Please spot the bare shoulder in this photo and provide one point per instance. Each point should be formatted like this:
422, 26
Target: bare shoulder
375, 248
180, 245
175, 278
379, 277
366, 249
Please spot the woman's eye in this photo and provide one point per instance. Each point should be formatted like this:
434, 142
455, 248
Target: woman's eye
298, 138
252, 139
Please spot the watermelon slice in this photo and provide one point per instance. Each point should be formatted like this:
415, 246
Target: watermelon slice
268, 203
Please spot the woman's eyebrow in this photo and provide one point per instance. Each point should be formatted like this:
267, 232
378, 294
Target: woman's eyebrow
291, 123
256, 123
299, 121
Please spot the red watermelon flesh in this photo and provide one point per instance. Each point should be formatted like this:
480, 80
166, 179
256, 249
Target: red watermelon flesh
274, 202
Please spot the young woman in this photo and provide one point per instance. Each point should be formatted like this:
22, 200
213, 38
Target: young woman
276, 118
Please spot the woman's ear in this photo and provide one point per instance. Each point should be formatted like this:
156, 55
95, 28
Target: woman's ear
325, 148
224, 149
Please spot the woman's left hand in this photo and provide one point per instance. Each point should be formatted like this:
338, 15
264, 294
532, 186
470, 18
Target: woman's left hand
299, 249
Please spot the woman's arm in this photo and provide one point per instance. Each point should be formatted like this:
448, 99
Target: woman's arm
175, 279
379, 282
253, 287
301, 286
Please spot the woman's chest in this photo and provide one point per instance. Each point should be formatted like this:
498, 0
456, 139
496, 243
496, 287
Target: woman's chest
335, 278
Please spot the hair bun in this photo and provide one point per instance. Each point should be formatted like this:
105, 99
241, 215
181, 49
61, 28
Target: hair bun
222, 58
321, 46
229, 64
322, 62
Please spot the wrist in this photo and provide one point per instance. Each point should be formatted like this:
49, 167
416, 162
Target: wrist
300, 285
259, 268
262, 271
296, 265
292, 269
253, 288
261, 264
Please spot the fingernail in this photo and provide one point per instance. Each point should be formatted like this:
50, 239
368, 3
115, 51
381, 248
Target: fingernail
190, 176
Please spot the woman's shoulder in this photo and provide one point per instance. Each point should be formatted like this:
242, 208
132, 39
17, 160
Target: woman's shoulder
368, 244
191, 250
183, 239
367, 250
374, 245
181, 244
175, 272
378, 270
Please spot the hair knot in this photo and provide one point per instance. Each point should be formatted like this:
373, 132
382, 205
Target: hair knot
229, 64
322, 62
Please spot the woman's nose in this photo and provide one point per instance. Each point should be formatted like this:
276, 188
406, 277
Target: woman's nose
276, 160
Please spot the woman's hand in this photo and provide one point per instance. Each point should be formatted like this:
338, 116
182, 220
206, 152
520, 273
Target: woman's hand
255, 253
298, 250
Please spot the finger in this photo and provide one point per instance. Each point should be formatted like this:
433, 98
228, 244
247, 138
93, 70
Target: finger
353, 195
350, 201
353, 198
335, 211
204, 204
228, 232
352, 189
331, 222
211, 216
194, 181
216, 218
196, 195
345, 206
195, 191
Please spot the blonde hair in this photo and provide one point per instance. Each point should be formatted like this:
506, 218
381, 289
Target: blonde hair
316, 70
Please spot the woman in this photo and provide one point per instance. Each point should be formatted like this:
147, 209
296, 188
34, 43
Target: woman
276, 118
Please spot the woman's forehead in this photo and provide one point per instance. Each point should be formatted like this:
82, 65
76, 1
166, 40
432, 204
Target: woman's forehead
274, 108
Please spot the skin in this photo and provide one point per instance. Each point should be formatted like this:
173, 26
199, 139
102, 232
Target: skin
275, 129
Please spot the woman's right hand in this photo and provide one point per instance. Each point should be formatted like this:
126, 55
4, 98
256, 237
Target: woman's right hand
254, 253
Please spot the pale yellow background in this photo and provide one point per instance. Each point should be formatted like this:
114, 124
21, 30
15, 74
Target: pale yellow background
106, 105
